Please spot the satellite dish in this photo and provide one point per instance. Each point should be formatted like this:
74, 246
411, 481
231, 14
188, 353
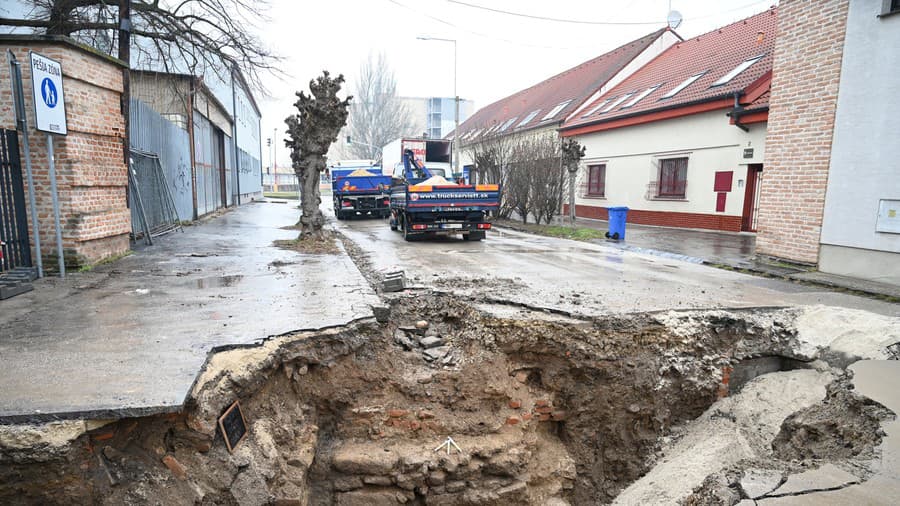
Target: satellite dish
674, 19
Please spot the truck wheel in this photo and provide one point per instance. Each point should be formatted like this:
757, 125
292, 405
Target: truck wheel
474, 236
339, 214
393, 223
407, 236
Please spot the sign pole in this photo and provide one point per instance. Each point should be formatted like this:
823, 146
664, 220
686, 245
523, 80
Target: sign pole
55, 197
50, 117
22, 124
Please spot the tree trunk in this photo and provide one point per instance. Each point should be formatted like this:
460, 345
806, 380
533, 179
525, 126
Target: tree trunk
312, 220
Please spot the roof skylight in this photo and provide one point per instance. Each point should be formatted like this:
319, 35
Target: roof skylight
528, 118
687, 82
744, 65
617, 102
553, 112
595, 108
641, 95
508, 123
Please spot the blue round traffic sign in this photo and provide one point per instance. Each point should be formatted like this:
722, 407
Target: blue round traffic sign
48, 93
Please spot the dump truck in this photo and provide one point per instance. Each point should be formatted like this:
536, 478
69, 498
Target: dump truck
359, 189
424, 203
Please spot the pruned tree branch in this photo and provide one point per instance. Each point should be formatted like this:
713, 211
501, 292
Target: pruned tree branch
319, 119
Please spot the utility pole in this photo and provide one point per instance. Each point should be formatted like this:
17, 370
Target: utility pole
455, 144
125, 56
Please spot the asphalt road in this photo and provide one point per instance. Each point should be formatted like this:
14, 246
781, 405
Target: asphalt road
581, 277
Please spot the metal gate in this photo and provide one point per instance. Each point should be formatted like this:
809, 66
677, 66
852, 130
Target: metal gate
13, 218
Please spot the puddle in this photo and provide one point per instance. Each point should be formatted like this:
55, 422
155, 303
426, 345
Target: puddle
217, 281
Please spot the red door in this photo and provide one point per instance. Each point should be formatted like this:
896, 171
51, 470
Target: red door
751, 198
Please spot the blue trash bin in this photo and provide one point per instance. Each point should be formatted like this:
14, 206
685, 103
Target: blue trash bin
617, 217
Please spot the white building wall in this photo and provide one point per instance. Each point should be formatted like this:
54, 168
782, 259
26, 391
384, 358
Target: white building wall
865, 154
632, 155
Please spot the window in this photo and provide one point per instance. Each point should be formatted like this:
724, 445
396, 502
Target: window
528, 118
672, 177
553, 112
687, 82
595, 108
508, 123
617, 102
597, 180
890, 7
641, 95
744, 65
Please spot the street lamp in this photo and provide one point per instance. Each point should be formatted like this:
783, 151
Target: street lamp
456, 101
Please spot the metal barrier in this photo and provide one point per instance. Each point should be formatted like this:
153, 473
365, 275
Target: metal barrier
15, 249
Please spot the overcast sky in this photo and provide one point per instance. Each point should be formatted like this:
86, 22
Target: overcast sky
498, 54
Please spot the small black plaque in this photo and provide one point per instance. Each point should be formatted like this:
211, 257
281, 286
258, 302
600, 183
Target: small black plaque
748, 152
233, 426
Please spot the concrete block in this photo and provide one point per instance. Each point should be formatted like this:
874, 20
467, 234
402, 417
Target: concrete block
431, 342
7, 291
759, 482
826, 477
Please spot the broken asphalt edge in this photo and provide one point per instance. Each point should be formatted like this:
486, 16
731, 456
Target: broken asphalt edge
115, 413
141, 411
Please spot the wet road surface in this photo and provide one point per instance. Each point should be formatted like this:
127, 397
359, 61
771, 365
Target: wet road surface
129, 338
581, 277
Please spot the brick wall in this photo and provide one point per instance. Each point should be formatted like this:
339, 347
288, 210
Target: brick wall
806, 74
664, 218
91, 173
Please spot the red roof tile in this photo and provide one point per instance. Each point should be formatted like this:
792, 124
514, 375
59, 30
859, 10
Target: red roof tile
576, 84
716, 53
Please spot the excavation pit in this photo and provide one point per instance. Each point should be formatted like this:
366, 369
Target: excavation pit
540, 411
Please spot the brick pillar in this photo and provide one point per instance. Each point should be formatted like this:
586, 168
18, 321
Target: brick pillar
806, 74
91, 173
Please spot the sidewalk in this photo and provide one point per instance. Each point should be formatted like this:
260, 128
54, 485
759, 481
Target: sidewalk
732, 250
130, 337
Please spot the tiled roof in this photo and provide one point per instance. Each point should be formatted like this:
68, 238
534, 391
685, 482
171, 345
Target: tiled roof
715, 54
574, 85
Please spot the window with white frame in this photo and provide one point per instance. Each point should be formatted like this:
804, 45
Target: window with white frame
553, 112
596, 108
687, 82
528, 118
641, 96
744, 65
617, 101
508, 123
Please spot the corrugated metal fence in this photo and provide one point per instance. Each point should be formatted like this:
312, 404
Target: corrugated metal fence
213, 154
152, 133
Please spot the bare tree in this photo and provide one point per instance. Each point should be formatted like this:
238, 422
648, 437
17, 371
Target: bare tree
170, 36
377, 116
492, 156
319, 119
519, 172
548, 179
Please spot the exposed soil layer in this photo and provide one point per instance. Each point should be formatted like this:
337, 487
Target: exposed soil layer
540, 411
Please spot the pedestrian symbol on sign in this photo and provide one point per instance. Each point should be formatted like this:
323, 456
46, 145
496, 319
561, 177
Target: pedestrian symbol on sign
48, 92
